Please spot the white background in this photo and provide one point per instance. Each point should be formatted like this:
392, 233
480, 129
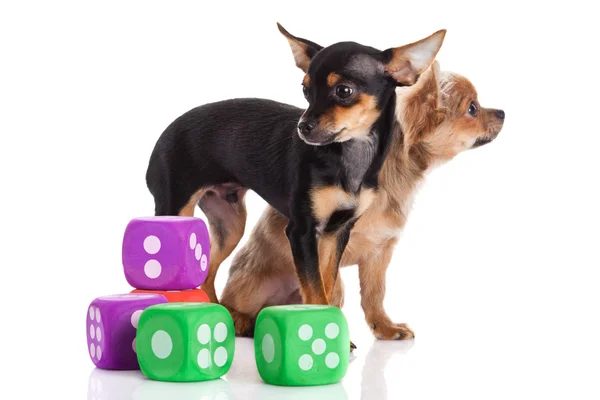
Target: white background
497, 271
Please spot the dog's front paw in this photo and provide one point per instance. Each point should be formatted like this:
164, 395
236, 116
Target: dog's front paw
391, 331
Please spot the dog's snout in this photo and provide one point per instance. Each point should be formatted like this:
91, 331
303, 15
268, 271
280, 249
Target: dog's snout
306, 127
500, 114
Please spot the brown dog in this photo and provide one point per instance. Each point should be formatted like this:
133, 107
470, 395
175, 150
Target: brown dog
440, 117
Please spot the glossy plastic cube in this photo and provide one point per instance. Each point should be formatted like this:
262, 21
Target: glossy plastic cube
180, 296
166, 253
301, 345
111, 325
185, 342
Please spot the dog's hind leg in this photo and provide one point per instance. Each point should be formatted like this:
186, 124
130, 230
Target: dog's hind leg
225, 209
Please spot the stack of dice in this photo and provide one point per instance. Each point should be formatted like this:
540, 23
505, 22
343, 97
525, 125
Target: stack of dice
165, 259
167, 328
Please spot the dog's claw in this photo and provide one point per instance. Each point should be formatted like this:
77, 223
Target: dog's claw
352, 346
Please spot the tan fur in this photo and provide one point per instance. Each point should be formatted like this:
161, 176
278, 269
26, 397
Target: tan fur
333, 79
218, 254
327, 263
355, 120
190, 206
327, 199
365, 199
433, 114
306, 80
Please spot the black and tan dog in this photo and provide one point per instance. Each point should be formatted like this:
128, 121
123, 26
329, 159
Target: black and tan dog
318, 167
438, 118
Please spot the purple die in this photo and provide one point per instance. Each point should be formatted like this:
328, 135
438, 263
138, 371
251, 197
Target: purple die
166, 253
111, 326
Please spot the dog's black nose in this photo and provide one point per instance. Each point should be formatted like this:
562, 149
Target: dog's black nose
305, 127
500, 114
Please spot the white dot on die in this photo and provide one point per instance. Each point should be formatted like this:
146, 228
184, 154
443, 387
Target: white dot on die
318, 346
152, 244
93, 350
203, 334
332, 360
192, 241
92, 313
92, 332
305, 332
135, 318
98, 319
203, 262
152, 269
220, 332
204, 358
268, 348
305, 362
220, 356
98, 334
99, 353
133, 346
162, 345
198, 252
332, 330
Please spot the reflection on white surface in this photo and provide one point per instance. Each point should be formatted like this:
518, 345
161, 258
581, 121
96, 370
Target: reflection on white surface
217, 389
325, 392
373, 382
113, 385
244, 382
133, 385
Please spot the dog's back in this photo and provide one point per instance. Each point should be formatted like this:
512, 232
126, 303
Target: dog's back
237, 132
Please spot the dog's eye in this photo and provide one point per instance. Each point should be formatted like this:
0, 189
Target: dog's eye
473, 109
343, 91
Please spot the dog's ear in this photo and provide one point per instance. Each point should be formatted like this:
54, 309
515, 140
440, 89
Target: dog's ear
421, 110
405, 64
303, 50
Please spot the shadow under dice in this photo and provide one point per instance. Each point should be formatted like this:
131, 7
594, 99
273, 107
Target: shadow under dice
301, 345
166, 252
111, 325
185, 342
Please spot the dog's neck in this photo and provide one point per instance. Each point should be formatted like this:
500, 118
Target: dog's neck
357, 156
363, 159
403, 171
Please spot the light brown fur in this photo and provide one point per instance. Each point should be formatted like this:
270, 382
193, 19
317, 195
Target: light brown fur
436, 127
327, 199
306, 80
354, 120
333, 79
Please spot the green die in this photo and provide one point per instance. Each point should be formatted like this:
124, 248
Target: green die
301, 345
185, 342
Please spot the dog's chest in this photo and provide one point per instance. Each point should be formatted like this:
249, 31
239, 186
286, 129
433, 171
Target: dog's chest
357, 156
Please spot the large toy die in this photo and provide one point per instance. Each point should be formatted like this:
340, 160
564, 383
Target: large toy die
185, 342
166, 252
111, 325
301, 345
